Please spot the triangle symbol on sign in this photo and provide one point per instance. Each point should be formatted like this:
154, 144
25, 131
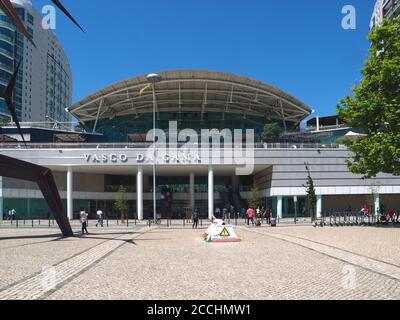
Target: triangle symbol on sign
225, 233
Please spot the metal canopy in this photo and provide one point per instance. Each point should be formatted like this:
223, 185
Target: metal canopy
192, 91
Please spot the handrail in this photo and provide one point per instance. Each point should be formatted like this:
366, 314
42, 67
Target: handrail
106, 146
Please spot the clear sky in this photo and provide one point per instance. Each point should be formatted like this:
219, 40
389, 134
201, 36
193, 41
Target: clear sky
297, 46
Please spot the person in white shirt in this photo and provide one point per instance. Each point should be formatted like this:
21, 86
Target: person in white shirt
83, 218
100, 219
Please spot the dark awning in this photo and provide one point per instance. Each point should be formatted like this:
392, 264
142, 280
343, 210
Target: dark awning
5, 138
70, 138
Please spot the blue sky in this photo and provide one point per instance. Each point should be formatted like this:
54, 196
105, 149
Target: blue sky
297, 46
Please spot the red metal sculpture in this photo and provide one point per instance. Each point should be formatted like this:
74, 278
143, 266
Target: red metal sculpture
8, 96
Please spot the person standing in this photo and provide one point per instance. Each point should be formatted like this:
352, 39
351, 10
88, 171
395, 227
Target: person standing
100, 218
83, 219
268, 215
263, 212
258, 213
195, 217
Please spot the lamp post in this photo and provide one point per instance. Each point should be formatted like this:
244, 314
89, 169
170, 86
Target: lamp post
153, 79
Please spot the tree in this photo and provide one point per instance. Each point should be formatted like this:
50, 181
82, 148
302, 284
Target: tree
121, 203
375, 106
4, 122
271, 133
255, 200
311, 195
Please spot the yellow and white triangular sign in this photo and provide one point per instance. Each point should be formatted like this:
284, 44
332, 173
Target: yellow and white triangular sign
225, 233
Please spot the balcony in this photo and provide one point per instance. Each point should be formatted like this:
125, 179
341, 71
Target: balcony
391, 9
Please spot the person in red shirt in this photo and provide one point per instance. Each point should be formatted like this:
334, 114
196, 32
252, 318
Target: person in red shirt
392, 216
250, 216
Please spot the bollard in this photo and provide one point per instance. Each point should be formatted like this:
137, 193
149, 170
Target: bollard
24, 221
49, 223
39, 222
17, 223
32, 222
127, 222
107, 222
184, 223
201, 222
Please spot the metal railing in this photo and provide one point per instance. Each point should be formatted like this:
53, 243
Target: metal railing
52, 146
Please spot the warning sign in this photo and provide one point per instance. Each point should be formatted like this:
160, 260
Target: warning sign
220, 232
225, 233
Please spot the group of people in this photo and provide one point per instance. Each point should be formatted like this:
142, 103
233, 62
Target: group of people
83, 217
11, 214
258, 216
254, 216
227, 212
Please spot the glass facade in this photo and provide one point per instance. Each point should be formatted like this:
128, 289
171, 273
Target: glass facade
11, 53
118, 128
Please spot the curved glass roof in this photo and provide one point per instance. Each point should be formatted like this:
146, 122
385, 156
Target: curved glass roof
191, 91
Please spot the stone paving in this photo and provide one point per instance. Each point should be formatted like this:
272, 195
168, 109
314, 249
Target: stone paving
161, 263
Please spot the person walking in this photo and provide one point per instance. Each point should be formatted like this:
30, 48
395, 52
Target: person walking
100, 218
250, 216
13, 213
195, 217
83, 219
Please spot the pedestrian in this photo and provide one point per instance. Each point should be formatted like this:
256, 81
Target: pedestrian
100, 218
250, 216
225, 213
195, 217
268, 215
263, 212
12, 214
218, 213
243, 213
83, 218
258, 212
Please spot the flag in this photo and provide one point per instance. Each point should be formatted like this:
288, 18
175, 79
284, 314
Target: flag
141, 92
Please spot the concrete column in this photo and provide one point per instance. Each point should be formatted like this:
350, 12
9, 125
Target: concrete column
192, 191
1, 200
70, 187
319, 206
279, 209
210, 192
235, 183
139, 193
377, 204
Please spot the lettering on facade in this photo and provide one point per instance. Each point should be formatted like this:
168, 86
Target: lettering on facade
106, 158
181, 158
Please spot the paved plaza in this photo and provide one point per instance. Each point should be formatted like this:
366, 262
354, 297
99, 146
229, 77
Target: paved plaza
141, 262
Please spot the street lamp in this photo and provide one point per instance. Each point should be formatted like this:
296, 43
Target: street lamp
153, 79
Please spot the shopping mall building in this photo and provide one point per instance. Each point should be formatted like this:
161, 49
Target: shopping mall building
115, 148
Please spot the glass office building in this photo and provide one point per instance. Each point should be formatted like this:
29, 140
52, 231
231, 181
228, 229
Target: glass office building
44, 82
